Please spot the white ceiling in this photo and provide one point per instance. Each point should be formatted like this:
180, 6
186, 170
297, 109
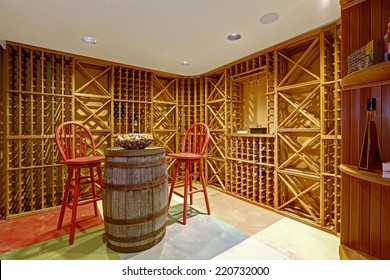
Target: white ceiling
159, 34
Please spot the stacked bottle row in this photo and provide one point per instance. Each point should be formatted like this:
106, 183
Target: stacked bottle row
36, 114
253, 149
337, 79
132, 85
35, 189
132, 100
38, 71
332, 182
131, 117
331, 130
39, 91
191, 92
251, 181
250, 165
191, 103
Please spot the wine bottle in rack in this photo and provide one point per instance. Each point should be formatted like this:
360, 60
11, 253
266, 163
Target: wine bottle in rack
370, 154
116, 109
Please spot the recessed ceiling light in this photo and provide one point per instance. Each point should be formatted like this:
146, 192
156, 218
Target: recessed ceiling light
269, 18
89, 40
234, 37
185, 63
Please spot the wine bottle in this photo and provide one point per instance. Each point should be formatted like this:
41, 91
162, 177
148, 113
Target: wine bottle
370, 154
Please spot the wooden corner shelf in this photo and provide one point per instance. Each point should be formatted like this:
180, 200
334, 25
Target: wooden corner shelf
372, 177
375, 75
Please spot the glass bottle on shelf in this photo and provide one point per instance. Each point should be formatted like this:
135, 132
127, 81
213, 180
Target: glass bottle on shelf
370, 154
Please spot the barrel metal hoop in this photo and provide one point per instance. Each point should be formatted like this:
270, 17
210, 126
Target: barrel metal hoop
135, 187
134, 249
138, 220
135, 238
133, 165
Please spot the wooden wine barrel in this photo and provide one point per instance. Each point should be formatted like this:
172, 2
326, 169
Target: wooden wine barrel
135, 198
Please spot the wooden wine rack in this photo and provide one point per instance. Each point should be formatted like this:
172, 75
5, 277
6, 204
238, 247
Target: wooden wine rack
216, 94
331, 130
308, 132
293, 168
250, 168
132, 101
92, 101
250, 70
38, 99
165, 111
191, 102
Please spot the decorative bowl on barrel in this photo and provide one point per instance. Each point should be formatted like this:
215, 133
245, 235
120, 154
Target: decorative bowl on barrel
134, 141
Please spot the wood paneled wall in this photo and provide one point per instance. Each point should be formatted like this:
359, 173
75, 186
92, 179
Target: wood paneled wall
365, 216
2, 133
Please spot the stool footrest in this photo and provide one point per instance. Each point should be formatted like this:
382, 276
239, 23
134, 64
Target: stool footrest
195, 191
83, 202
179, 194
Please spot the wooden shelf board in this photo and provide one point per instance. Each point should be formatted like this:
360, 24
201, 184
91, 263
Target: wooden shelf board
164, 130
251, 135
377, 74
303, 129
372, 177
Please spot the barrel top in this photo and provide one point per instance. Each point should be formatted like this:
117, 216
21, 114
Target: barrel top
121, 152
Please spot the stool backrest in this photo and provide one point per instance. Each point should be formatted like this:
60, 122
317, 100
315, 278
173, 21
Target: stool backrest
74, 140
196, 139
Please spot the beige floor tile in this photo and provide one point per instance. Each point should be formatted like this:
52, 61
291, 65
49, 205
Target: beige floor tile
299, 241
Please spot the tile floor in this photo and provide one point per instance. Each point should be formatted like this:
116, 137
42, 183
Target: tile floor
235, 230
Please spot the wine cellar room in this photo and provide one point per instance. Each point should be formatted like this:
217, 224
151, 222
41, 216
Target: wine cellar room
288, 154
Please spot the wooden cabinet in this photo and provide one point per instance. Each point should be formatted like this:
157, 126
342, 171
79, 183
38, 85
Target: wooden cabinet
365, 197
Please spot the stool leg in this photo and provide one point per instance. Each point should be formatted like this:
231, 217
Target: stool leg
185, 197
94, 196
65, 198
175, 170
190, 166
100, 177
75, 202
202, 179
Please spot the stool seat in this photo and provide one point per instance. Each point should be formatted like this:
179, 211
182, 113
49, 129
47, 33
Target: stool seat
189, 164
84, 160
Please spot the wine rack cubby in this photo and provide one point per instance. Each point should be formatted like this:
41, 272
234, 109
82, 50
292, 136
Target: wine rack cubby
250, 172
132, 101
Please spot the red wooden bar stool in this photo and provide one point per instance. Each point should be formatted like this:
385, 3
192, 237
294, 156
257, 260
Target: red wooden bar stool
189, 164
78, 151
